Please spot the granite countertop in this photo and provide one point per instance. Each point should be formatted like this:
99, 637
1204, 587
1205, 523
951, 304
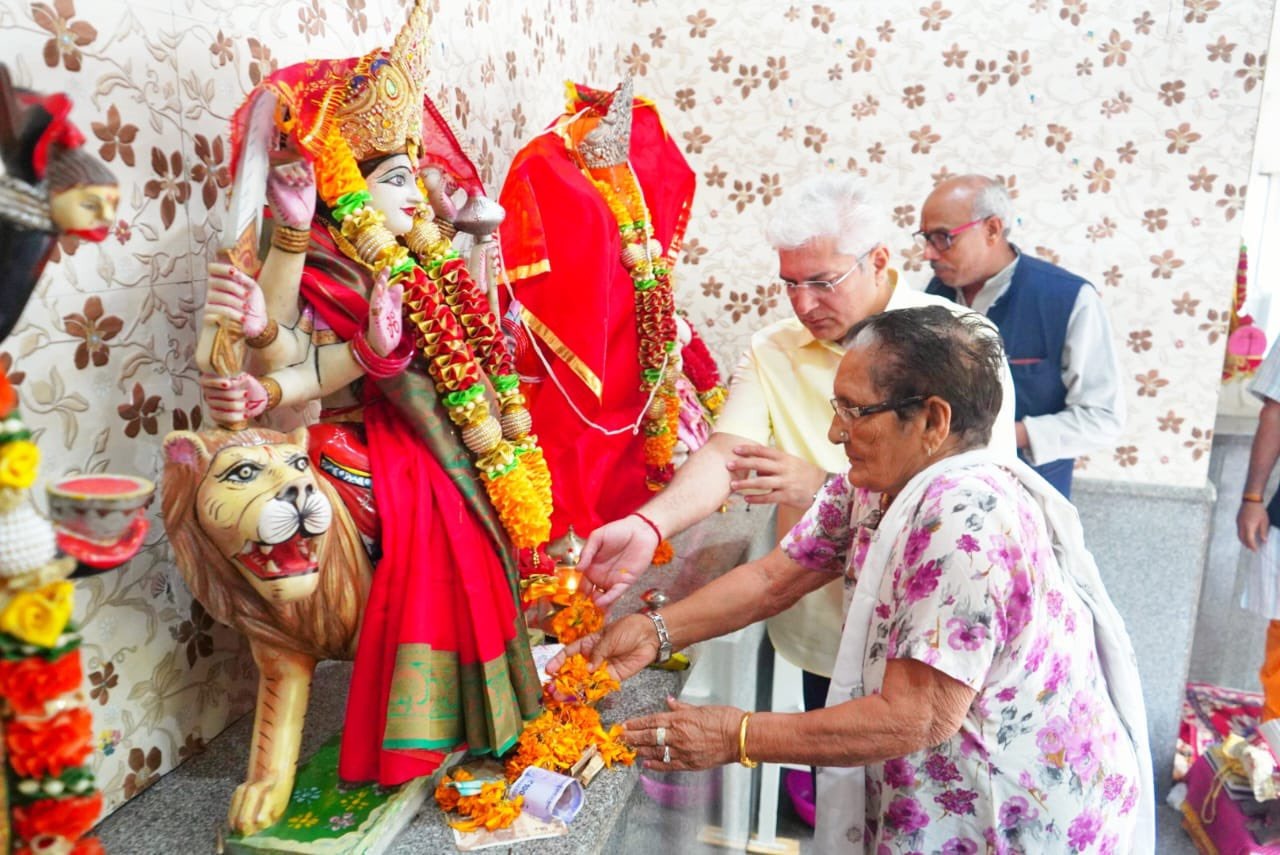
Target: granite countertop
188, 806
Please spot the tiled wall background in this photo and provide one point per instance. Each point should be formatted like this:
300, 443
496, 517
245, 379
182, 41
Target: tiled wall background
1124, 129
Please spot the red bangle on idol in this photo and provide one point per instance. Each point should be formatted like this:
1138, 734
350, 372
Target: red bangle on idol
381, 367
649, 523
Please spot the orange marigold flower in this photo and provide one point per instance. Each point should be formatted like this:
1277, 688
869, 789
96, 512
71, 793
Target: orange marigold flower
68, 817
579, 618
28, 683
663, 553
47, 747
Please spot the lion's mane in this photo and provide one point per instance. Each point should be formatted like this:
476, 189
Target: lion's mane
325, 624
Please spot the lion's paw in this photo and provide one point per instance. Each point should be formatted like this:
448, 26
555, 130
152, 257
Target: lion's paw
257, 804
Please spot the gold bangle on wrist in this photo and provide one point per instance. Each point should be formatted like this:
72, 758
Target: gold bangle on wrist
273, 391
742, 744
265, 337
1252, 497
290, 239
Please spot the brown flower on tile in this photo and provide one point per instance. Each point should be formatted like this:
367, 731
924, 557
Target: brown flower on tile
866, 108
1101, 231
862, 55
194, 744
637, 61
6, 368
1201, 442
1048, 255
211, 171
984, 74
770, 187
1127, 152
95, 330
823, 18
1198, 10
835, 72
68, 36
1185, 305
748, 78
1215, 324
923, 140
140, 413
1117, 105
1100, 177
1220, 51
1233, 201
693, 251
1155, 219
510, 59
814, 137
117, 138
1170, 423
1165, 264
1142, 25
1180, 138
1059, 136
954, 56
1139, 340
715, 176
913, 96
913, 258
657, 38
1072, 10
1127, 455
695, 140
904, 215
776, 70
1026, 132
934, 15
195, 634
1112, 276
712, 287
766, 298
1084, 68
1254, 68
720, 62
885, 31
222, 48
168, 185
1150, 384
743, 194
311, 20
685, 99
103, 682
143, 769
1116, 50
699, 23
356, 16
183, 421
739, 305
263, 63
1018, 66
1202, 180
1171, 92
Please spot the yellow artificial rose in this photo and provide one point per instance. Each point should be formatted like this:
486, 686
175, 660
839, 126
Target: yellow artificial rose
19, 461
38, 617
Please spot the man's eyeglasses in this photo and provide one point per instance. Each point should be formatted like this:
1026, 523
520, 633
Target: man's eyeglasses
822, 285
942, 239
848, 413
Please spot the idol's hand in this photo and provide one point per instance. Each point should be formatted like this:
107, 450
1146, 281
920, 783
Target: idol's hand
615, 555
233, 399
385, 324
780, 478
291, 192
626, 646
1252, 525
236, 298
693, 737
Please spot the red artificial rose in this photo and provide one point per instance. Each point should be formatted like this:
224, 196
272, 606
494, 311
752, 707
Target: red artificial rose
48, 746
68, 817
27, 683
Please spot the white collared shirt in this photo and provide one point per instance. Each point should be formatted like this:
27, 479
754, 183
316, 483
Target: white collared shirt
1094, 414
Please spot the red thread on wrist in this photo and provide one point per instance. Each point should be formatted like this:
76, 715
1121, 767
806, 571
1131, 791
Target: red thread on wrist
649, 523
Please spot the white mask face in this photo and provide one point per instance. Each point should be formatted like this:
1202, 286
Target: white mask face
393, 190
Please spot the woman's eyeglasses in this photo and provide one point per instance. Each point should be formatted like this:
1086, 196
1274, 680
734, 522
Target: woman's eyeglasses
848, 412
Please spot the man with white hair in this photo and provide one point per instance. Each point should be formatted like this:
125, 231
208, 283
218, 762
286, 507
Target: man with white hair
1066, 371
834, 265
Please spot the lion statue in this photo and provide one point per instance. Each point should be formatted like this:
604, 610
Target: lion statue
269, 549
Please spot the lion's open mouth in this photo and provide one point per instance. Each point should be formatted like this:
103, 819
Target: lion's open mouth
293, 557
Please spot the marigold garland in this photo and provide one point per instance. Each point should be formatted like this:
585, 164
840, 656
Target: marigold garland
580, 616
663, 553
27, 684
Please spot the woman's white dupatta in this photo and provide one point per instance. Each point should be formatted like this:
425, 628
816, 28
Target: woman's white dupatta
842, 794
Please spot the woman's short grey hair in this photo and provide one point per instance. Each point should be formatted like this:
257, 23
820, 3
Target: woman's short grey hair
834, 205
931, 351
992, 200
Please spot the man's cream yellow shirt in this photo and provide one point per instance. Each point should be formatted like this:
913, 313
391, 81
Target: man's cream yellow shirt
780, 395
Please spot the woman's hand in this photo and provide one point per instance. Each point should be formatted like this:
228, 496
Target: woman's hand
385, 324
615, 555
291, 192
1252, 525
780, 478
695, 737
236, 298
626, 646
233, 399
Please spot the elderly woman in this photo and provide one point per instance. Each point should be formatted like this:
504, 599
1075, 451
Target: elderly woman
985, 696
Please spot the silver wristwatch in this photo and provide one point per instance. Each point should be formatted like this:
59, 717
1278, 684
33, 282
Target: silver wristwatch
664, 640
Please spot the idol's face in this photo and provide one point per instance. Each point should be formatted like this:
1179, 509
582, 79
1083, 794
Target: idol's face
393, 189
87, 211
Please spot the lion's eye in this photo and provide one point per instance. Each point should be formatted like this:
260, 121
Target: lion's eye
241, 473
300, 462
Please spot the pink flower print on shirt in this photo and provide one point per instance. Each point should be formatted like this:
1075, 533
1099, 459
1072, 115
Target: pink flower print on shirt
924, 581
941, 769
965, 635
957, 801
898, 773
960, 846
1053, 602
917, 543
1052, 740
1004, 553
967, 543
1112, 787
1016, 811
1084, 829
1036, 656
1018, 605
1057, 673
906, 815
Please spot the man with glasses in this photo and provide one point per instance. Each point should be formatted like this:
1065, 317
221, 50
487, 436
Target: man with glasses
834, 266
1066, 371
